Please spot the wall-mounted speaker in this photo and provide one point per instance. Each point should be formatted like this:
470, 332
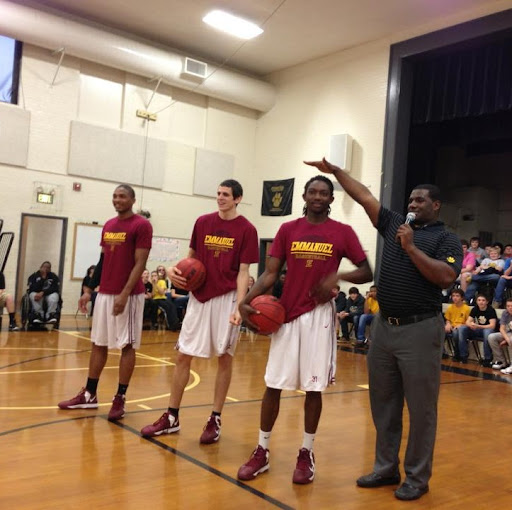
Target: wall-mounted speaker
340, 151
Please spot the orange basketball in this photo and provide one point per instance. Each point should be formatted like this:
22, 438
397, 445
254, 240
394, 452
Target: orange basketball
272, 314
194, 272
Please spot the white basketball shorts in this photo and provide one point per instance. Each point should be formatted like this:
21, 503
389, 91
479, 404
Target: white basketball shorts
303, 352
117, 331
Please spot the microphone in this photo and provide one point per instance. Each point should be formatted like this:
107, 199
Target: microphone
410, 218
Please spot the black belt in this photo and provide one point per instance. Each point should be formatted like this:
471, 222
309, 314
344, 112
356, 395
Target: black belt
410, 319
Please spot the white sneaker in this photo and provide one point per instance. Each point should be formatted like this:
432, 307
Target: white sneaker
498, 365
507, 371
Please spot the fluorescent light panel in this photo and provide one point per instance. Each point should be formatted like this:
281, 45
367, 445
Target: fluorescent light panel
232, 24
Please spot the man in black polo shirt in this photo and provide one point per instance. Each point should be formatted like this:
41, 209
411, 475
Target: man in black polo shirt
404, 361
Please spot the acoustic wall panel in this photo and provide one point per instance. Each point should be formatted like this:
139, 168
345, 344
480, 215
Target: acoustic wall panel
211, 169
114, 155
14, 135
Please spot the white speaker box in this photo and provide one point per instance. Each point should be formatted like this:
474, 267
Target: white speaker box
340, 151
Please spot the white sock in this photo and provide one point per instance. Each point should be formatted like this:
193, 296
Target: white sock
307, 442
264, 439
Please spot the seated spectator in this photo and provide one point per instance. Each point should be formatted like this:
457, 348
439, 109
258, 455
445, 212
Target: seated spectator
499, 247
468, 265
86, 282
162, 275
161, 301
489, 270
150, 307
250, 284
43, 289
277, 290
7, 301
352, 312
180, 300
371, 308
456, 316
340, 301
504, 282
501, 340
507, 251
474, 247
480, 324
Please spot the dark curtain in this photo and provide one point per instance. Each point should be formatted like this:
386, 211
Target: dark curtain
464, 83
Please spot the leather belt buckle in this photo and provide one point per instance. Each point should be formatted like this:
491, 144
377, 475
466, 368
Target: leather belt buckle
394, 321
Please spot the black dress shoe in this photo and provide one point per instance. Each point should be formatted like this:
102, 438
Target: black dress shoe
376, 480
407, 492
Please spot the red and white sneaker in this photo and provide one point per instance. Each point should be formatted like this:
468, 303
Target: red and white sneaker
117, 410
84, 400
211, 432
257, 464
305, 468
166, 424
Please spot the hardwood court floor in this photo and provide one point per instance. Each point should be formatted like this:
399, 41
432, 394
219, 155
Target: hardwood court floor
56, 459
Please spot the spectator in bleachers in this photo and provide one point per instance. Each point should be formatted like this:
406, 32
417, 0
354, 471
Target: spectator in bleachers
150, 308
352, 312
370, 309
180, 300
86, 282
162, 275
507, 251
340, 301
161, 301
480, 324
501, 340
490, 270
498, 246
277, 290
43, 288
456, 316
468, 265
6, 300
504, 282
474, 247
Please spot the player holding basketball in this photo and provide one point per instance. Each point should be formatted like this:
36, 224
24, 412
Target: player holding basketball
119, 306
226, 243
303, 351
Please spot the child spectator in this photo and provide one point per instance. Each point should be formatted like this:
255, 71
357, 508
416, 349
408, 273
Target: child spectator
474, 247
504, 282
489, 270
501, 340
456, 316
352, 312
371, 308
480, 324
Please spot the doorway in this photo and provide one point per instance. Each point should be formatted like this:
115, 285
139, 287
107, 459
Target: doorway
41, 238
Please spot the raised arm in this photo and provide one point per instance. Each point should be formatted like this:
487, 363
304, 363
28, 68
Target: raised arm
359, 192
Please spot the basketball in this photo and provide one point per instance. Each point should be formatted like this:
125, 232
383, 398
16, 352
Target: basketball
194, 272
271, 316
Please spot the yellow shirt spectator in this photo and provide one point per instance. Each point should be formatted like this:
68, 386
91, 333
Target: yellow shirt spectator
457, 315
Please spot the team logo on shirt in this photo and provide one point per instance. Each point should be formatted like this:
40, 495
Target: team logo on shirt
218, 243
113, 238
451, 260
311, 250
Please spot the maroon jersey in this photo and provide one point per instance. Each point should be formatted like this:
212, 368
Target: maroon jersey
311, 252
119, 239
222, 245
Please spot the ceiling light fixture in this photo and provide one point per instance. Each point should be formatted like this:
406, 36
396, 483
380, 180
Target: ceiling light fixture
232, 24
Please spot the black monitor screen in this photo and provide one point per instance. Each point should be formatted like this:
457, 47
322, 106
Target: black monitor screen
10, 56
